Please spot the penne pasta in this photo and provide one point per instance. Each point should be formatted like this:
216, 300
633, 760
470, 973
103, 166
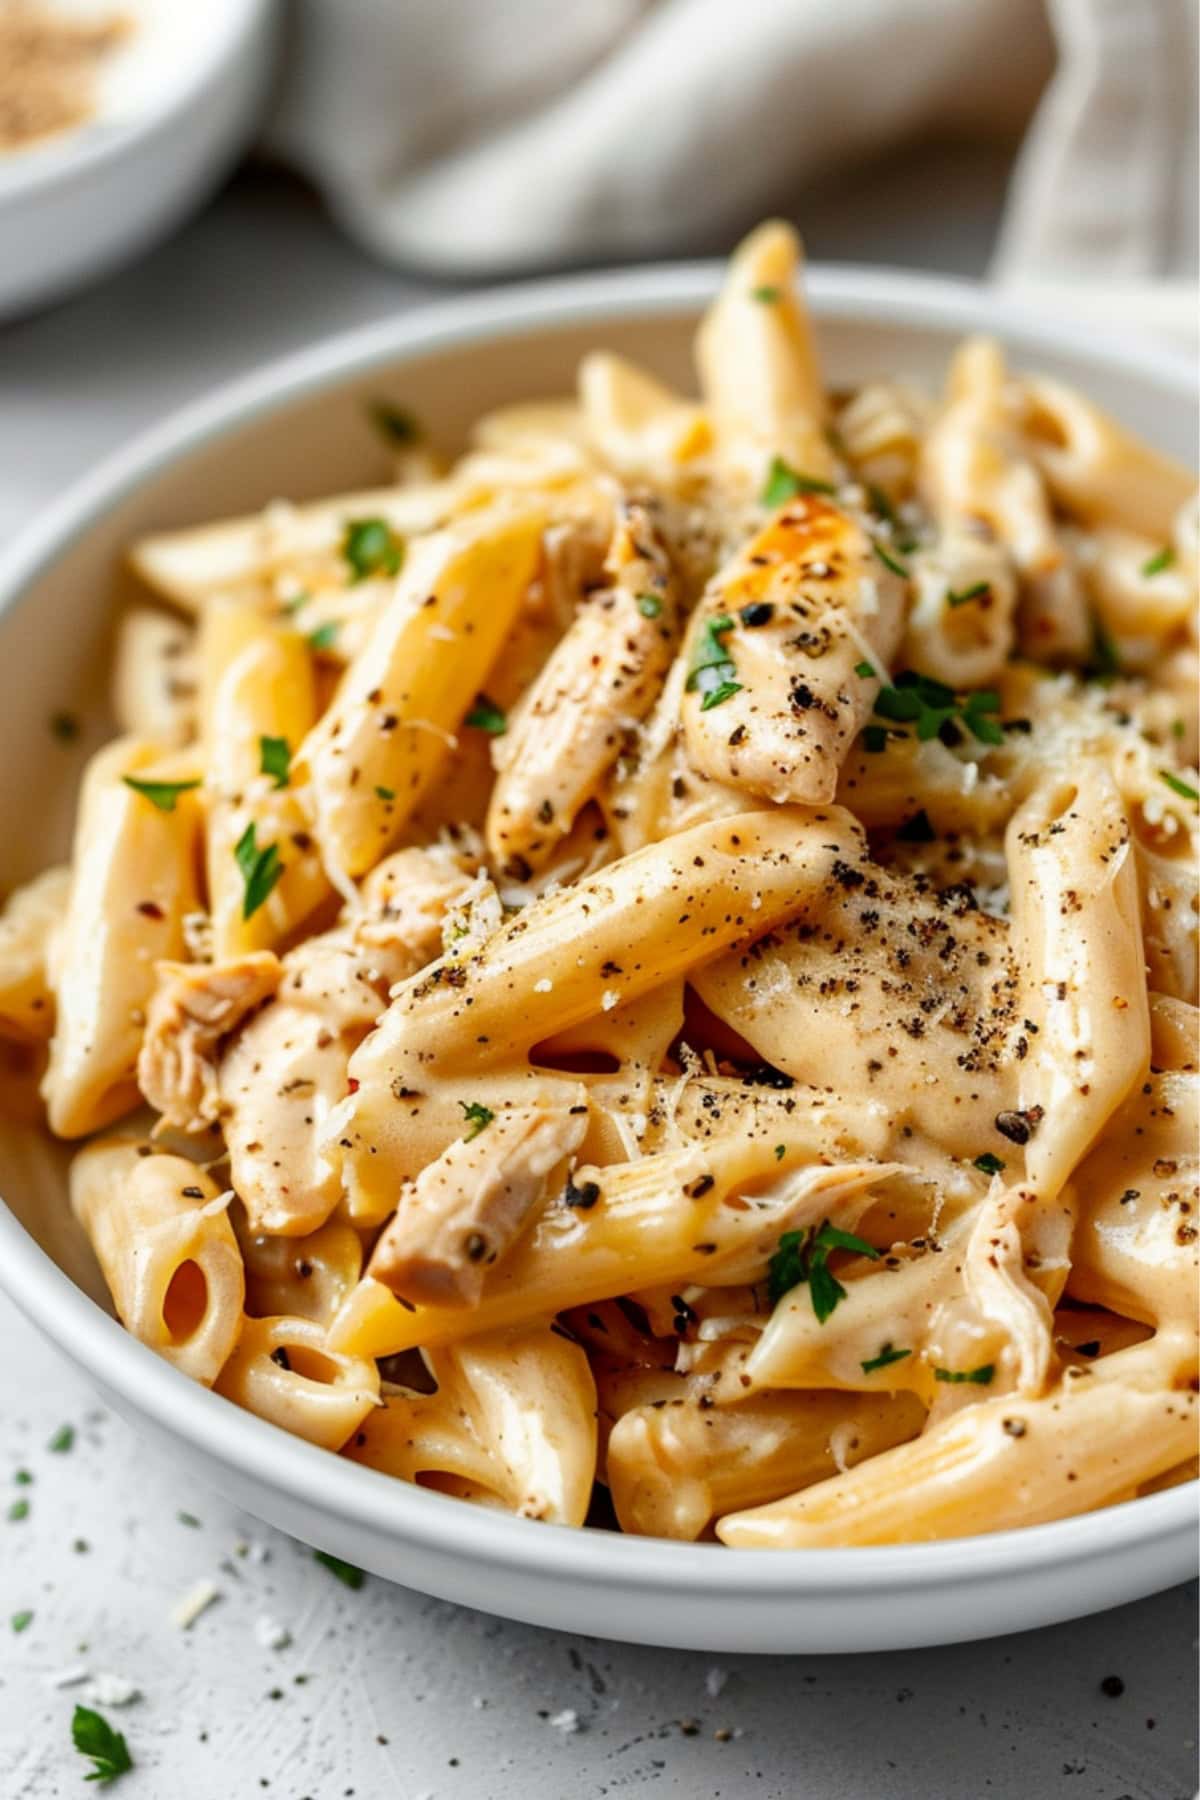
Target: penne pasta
675, 932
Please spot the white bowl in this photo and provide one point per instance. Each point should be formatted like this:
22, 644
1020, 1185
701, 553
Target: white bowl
298, 428
177, 102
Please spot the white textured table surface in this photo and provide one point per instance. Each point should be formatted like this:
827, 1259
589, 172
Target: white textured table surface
380, 1693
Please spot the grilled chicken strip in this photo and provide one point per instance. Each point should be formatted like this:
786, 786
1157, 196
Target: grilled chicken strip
599, 683
465, 1209
786, 650
287, 1070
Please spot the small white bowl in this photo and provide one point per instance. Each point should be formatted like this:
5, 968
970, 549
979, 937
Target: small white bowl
298, 429
177, 101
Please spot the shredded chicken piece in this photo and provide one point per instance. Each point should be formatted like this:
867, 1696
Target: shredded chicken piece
193, 1007
465, 1209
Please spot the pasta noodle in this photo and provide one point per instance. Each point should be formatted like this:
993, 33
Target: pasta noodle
663, 953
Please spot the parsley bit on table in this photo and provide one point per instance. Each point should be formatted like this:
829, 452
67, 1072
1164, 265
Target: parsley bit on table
347, 1573
95, 1738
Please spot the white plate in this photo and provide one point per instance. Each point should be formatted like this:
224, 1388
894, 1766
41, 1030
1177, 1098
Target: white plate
177, 101
299, 429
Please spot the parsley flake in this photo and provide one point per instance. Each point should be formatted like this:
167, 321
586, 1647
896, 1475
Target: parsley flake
1179, 786
934, 708
95, 1738
394, 423
63, 1440
889, 561
783, 483
385, 793
765, 295
325, 636
649, 605
865, 669
780, 1152
713, 672
804, 1256
980, 1376
347, 1573
976, 591
477, 1117
189, 1519
485, 715
162, 794
1162, 559
260, 870
21, 1621
886, 1356
275, 759
371, 547
987, 1164
1105, 662
17, 1511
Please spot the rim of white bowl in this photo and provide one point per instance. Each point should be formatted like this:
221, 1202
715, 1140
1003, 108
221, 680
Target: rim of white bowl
364, 1497
73, 155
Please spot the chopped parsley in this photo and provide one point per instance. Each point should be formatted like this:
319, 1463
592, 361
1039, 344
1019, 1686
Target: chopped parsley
96, 1739
65, 727
347, 1573
889, 561
783, 483
980, 1376
713, 672
325, 636
780, 1152
1179, 786
23, 1478
162, 794
21, 1621
865, 669
804, 1256
260, 870
649, 605
889, 1354
987, 1164
477, 1117
385, 793
275, 759
17, 1511
63, 1440
297, 600
485, 715
976, 591
189, 1519
394, 423
1162, 559
765, 295
936, 710
371, 547
1105, 662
